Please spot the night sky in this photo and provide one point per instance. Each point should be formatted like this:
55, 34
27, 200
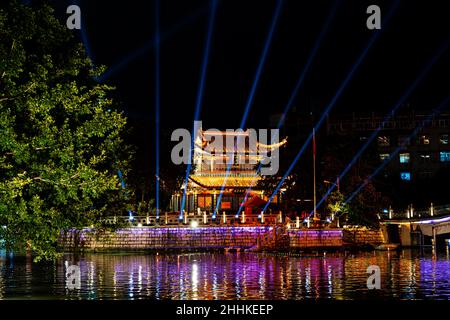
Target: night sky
121, 36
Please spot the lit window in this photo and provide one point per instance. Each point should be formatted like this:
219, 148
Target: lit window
425, 157
444, 139
404, 157
384, 156
204, 202
424, 139
444, 156
406, 176
384, 141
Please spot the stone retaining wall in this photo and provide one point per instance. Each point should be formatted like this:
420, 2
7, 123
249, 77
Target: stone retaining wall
192, 238
362, 236
315, 238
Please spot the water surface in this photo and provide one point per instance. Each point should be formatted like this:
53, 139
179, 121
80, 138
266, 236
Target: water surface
404, 275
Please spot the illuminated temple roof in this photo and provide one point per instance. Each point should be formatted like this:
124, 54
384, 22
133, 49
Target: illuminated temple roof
211, 165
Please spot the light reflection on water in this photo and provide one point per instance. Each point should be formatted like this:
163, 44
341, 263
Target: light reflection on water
404, 275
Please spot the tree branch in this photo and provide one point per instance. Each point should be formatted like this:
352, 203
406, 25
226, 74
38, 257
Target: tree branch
10, 53
30, 86
5, 99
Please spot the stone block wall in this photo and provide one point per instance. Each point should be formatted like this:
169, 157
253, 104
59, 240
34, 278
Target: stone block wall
363, 236
191, 238
315, 238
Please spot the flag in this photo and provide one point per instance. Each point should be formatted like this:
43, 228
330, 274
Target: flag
314, 142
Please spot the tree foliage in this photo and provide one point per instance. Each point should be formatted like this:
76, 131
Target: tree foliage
369, 201
336, 203
60, 133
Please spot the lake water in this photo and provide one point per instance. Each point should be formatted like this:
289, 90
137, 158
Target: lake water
404, 275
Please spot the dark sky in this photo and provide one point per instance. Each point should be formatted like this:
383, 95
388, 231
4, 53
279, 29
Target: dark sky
120, 35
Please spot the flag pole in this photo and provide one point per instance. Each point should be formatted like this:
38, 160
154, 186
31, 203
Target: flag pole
314, 171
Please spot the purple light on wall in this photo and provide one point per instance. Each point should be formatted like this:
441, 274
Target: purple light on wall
433, 221
200, 237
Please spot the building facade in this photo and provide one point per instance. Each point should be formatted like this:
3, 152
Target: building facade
420, 156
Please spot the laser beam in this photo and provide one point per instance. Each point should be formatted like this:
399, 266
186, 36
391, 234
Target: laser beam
200, 93
84, 37
398, 149
333, 101
157, 103
252, 91
308, 64
120, 64
399, 103
298, 85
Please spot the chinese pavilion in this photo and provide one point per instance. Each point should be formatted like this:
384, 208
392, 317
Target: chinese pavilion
209, 175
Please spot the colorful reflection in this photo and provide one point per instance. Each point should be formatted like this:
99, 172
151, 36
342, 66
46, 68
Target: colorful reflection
404, 275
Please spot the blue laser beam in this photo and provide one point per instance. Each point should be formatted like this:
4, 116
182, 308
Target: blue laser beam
333, 101
120, 64
298, 85
200, 94
84, 37
252, 91
399, 103
157, 102
261, 63
122, 182
308, 63
398, 149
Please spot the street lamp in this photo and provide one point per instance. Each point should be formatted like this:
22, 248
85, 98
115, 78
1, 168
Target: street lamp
337, 184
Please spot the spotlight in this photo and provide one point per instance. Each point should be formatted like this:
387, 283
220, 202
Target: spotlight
251, 96
300, 80
200, 91
332, 103
130, 215
194, 224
